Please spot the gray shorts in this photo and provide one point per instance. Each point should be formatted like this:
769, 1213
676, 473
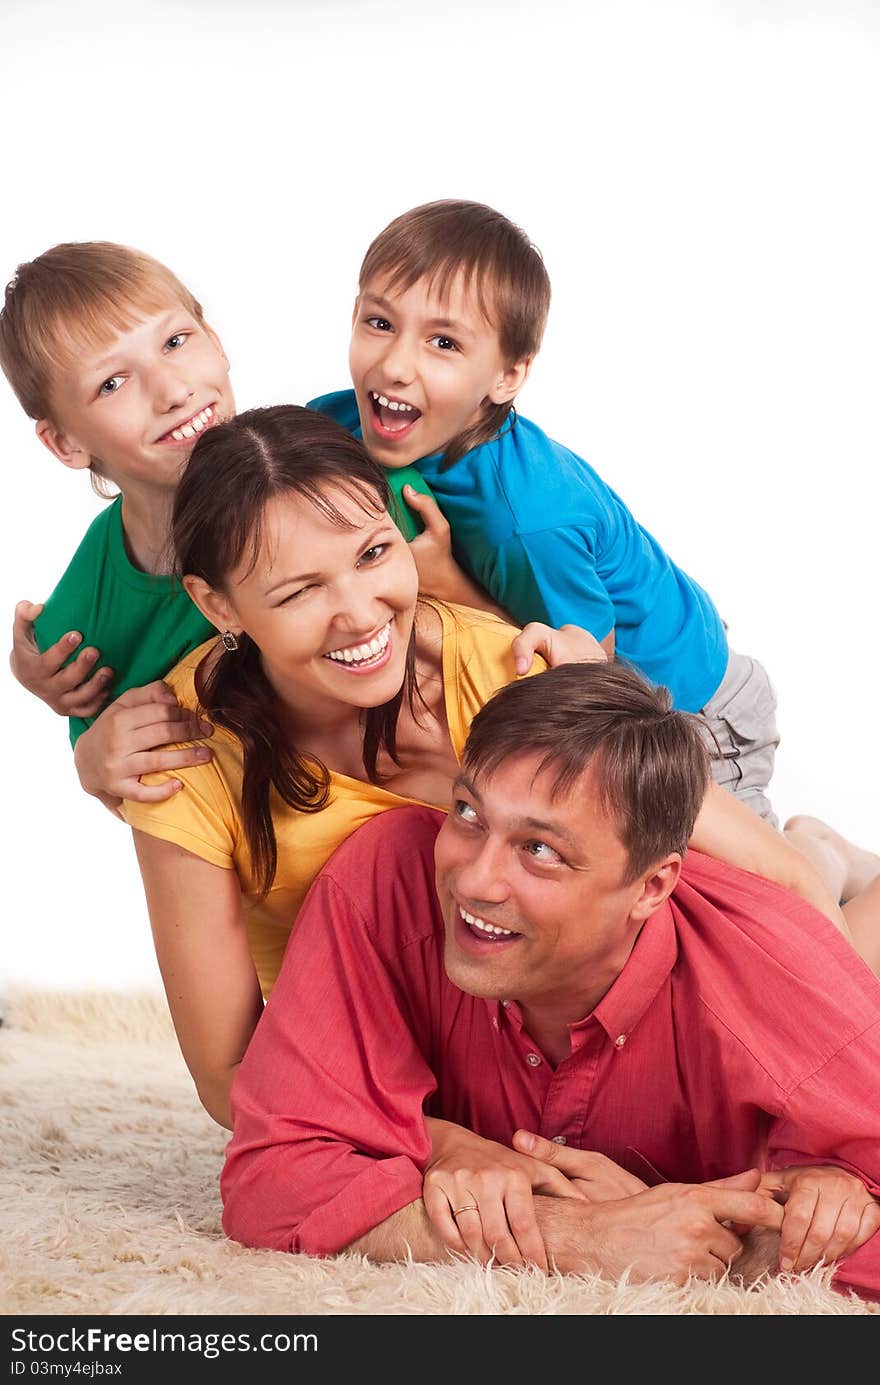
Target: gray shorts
742, 719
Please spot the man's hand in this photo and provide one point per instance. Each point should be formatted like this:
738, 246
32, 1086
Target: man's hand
668, 1232
568, 645
828, 1213
136, 735
74, 690
491, 1187
594, 1177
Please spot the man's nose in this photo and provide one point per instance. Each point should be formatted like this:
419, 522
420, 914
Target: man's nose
482, 877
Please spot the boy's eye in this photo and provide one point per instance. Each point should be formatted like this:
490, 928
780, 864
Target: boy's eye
111, 385
443, 343
173, 343
373, 554
381, 324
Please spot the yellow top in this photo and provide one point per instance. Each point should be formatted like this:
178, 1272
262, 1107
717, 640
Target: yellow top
205, 816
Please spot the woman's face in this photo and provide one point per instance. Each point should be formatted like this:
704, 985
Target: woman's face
330, 607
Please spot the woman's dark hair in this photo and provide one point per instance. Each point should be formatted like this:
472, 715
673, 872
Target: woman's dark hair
235, 469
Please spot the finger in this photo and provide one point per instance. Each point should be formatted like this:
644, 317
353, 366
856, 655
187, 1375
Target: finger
752, 1209
496, 1232
800, 1210
548, 1151
523, 1222
51, 660
533, 638
136, 792
160, 761
27, 611
428, 510
89, 698
749, 1180
151, 724
74, 674
470, 1229
844, 1238
23, 626
869, 1225
439, 1211
150, 692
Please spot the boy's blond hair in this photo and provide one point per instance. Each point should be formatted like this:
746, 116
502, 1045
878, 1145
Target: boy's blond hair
75, 296
440, 241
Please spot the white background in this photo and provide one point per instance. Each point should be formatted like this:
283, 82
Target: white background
702, 180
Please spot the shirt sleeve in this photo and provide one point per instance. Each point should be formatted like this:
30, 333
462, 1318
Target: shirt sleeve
551, 576
200, 817
330, 1137
833, 1117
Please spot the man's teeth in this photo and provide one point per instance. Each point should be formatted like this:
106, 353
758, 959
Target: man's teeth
359, 653
483, 926
395, 405
194, 426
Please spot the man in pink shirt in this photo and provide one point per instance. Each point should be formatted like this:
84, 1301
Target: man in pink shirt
694, 1049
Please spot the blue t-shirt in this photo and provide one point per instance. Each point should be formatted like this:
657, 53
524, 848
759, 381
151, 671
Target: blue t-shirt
550, 541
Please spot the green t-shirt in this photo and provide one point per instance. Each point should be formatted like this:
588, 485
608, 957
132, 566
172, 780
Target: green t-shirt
140, 624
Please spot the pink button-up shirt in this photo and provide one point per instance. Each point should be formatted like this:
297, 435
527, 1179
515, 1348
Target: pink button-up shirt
743, 1031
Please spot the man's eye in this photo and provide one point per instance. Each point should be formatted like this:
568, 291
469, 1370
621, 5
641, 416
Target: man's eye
372, 555
381, 324
463, 811
443, 343
540, 851
111, 385
175, 342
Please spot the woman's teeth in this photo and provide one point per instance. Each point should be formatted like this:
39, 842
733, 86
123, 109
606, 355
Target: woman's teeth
195, 425
361, 653
485, 927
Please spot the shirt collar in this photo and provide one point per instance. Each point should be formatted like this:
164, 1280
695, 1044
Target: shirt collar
635, 989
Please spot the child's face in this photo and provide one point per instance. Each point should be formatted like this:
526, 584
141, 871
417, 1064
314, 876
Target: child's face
137, 404
330, 609
424, 368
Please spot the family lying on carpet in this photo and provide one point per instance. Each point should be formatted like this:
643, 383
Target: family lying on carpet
538, 1028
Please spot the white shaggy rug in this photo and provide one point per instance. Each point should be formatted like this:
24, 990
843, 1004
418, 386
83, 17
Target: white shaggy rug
109, 1169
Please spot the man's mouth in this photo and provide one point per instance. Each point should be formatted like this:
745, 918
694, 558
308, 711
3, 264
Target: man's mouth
392, 417
365, 656
485, 931
198, 423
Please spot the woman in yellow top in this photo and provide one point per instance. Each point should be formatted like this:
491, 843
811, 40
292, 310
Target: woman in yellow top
336, 694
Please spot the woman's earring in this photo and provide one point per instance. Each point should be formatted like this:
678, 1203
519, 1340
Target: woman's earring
229, 641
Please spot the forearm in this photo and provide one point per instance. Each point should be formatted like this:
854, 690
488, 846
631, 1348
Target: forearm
406, 1234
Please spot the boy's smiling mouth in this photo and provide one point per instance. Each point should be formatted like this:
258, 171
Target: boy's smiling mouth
191, 427
392, 418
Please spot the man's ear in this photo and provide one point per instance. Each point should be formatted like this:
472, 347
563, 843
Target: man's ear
656, 886
213, 605
509, 384
65, 448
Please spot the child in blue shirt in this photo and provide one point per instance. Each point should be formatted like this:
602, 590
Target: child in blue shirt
451, 308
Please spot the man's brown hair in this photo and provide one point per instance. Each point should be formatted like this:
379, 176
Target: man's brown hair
651, 761
72, 297
498, 263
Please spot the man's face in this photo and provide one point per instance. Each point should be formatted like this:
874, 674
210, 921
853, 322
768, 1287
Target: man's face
138, 403
424, 368
532, 889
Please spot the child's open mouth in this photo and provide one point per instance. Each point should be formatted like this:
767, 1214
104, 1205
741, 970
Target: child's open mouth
392, 418
192, 427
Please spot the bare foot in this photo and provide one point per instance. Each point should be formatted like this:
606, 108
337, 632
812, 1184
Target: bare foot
846, 868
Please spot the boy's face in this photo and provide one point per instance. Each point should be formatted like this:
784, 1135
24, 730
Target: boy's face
424, 368
137, 404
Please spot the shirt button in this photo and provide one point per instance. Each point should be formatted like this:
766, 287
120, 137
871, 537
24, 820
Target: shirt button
560, 1140
620, 1041
533, 1060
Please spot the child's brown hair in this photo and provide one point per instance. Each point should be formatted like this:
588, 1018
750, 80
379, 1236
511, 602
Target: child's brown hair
73, 297
442, 240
